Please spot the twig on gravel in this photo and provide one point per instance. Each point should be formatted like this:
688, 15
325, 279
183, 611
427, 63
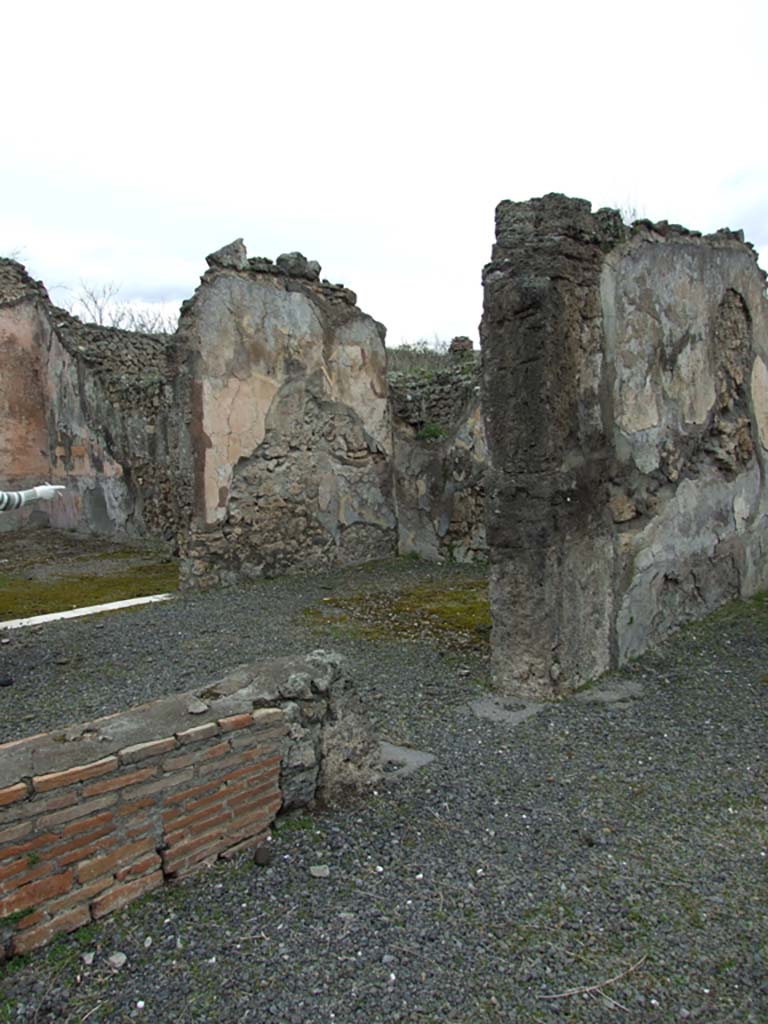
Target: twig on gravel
598, 986
92, 1010
612, 1002
251, 935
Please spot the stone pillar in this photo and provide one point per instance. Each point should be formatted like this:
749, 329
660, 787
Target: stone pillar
544, 424
624, 394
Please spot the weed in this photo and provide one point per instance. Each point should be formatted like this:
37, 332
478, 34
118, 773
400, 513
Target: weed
431, 432
418, 357
11, 920
300, 823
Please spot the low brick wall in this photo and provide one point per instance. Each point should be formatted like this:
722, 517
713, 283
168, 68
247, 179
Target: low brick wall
98, 814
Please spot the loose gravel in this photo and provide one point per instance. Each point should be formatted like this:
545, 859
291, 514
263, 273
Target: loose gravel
75, 670
596, 862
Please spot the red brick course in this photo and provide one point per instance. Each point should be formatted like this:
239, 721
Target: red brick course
140, 751
125, 893
88, 869
79, 827
172, 764
82, 842
11, 794
24, 809
10, 835
197, 733
25, 941
119, 782
35, 892
6, 852
82, 850
55, 780
76, 809
139, 867
20, 872
236, 722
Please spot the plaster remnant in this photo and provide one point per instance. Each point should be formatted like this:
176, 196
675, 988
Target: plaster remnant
759, 389
624, 390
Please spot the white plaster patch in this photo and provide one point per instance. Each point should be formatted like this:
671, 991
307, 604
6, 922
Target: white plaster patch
759, 387
692, 384
638, 409
235, 415
741, 510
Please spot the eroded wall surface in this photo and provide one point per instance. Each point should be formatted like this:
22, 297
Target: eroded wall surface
625, 402
440, 456
290, 422
262, 437
94, 409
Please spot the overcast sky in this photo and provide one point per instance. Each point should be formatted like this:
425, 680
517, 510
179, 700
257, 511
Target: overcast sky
374, 138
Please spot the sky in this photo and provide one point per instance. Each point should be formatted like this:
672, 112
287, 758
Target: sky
374, 138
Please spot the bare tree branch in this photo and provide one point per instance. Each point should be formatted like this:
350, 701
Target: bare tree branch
100, 304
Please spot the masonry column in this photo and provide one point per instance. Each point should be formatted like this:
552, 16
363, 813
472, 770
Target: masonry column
549, 544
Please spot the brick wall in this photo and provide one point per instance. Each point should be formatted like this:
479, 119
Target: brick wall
78, 843
96, 815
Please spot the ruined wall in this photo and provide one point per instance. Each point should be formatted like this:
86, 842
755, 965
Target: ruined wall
116, 401
256, 440
95, 815
290, 422
440, 457
625, 401
24, 439
91, 408
436, 398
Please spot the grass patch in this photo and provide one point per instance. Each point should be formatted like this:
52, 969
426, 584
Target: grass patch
431, 432
457, 616
11, 920
751, 608
20, 597
419, 357
299, 823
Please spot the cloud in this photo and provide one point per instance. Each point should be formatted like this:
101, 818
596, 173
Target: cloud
377, 140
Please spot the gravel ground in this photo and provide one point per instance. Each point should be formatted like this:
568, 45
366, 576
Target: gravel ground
73, 670
598, 862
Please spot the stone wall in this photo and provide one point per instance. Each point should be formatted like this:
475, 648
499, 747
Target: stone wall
256, 440
625, 395
95, 815
91, 408
290, 422
436, 398
440, 458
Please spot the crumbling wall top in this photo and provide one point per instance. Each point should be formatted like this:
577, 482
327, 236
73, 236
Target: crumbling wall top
552, 227
294, 271
17, 286
125, 360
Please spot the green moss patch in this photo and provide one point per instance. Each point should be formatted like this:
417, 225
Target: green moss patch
21, 597
431, 432
457, 616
